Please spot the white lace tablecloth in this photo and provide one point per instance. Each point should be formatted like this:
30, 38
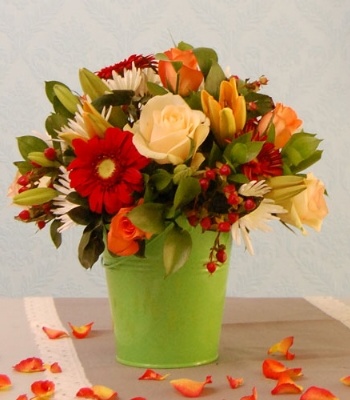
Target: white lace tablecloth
320, 326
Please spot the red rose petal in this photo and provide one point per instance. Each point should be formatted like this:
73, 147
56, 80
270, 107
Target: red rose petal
43, 388
345, 380
54, 333
253, 396
286, 385
273, 369
234, 382
283, 347
32, 364
80, 332
149, 374
317, 393
5, 382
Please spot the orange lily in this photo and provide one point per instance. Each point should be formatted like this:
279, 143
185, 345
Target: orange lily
283, 347
32, 364
54, 333
253, 396
151, 375
5, 382
97, 392
43, 389
345, 380
272, 369
317, 393
190, 388
234, 382
80, 332
286, 385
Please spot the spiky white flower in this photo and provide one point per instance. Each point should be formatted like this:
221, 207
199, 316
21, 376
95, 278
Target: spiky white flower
256, 220
61, 205
254, 188
133, 79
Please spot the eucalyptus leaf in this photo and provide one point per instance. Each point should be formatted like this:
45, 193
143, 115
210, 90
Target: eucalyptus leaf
177, 249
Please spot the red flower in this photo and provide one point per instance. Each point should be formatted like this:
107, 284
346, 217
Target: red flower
138, 60
107, 170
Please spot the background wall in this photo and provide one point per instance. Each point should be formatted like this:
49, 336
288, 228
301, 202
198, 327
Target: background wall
302, 46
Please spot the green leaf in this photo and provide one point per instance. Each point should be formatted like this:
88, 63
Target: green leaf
177, 249
149, 217
184, 46
49, 89
212, 82
155, 89
27, 144
118, 118
75, 198
205, 57
300, 147
161, 179
316, 156
241, 153
80, 215
187, 190
39, 158
56, 236
23, 166
115, 98
91, 245
36, 196
263, 102
59, 108
69, 100
91, 84
54, 122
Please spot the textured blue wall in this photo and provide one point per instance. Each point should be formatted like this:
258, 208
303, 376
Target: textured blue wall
302, 46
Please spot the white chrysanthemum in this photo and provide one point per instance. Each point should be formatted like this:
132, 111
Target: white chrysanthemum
254, 188
62, 205
256, 220
134, 79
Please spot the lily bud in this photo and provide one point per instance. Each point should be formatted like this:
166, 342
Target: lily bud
36, 196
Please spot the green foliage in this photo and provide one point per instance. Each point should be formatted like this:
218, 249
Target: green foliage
177, 249
56, 236
242, 150
149, 217
91, 245
28, 144
186, 191
215, 76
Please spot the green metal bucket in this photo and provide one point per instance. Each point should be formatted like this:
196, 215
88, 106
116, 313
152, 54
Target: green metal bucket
167, 322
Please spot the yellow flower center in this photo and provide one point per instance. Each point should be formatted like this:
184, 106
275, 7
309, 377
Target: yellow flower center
106, 168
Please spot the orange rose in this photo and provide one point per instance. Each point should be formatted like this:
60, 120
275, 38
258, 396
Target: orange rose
285, 121
184, 80
308, 207
123, 236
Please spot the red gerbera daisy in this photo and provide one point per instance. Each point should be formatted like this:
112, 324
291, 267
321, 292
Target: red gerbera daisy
107, 170
268, 163
138, 60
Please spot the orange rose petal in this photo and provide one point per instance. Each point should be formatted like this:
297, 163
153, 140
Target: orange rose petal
55, 368
80, 332
286, 385
32, 364
283, 347
54, 333
253, 396
151, 375
234, 382
22, 397
345, 380
104, 393
317, 393
138, 398
43, 388
5, 382
190, 388
272, 369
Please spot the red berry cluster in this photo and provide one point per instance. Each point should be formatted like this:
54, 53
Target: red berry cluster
217, 256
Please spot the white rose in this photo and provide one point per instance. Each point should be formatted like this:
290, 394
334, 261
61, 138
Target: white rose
169, 131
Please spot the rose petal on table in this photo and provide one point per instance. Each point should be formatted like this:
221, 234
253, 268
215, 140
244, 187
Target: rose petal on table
253, 396
86, 393
32, 364
43, 389
97, 392
80, 332
5, 382
317, 393
22, 397
283, 347
151, 375
190, 388
234, 382
272, 369
55, 368
138, 398
286, 385
345, 380
54, 333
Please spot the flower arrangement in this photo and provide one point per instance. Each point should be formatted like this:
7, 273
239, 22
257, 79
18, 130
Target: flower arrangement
158, 139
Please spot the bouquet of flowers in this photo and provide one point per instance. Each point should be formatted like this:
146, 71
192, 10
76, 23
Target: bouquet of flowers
156, 140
